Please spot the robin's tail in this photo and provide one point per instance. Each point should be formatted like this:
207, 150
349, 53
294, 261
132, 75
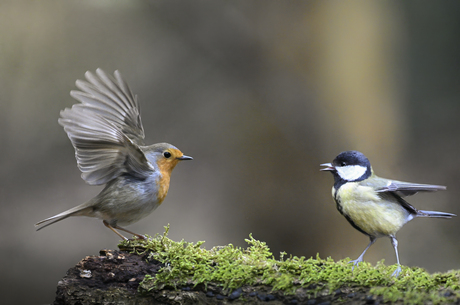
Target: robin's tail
435, 214
81, 210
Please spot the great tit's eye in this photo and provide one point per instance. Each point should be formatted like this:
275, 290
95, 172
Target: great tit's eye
167, 154
343, 163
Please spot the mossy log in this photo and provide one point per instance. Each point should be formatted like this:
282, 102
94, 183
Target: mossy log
162, 271
113, 277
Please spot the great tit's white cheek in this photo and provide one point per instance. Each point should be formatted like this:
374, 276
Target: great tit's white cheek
351, 172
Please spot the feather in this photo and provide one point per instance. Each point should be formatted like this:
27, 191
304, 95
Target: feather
105, 129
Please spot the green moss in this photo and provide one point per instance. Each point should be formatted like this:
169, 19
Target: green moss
232, 267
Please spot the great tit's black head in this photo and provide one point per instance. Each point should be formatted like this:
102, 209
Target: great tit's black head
349, 166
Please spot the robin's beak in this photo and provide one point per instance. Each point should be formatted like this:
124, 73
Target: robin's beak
185, 158
328, 167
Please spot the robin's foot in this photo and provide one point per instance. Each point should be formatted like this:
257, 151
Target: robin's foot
139, 236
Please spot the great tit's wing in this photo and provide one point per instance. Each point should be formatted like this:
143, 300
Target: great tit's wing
105, 130
379, 185
404, 189
394, 197
112, 99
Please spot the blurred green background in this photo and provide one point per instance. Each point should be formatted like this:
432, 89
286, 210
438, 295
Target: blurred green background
259, 93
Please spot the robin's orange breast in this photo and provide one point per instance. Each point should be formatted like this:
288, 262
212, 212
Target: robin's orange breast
165, 166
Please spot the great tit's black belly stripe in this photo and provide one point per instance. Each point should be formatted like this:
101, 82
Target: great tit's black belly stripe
340, 209
355, 226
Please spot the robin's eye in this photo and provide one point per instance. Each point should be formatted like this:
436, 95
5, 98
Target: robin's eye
167, 154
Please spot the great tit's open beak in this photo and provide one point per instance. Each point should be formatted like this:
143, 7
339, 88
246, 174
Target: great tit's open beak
185, 158
328, 167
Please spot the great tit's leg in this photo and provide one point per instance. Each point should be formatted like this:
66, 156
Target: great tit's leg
394, 242
360, 258
113, 229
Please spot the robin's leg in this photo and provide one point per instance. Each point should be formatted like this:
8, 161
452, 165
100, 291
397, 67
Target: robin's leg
113, 229
127, 231
123, 229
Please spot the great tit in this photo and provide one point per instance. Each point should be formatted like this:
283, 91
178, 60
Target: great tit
373, 205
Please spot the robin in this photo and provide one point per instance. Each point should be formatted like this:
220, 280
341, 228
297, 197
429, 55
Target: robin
106, 131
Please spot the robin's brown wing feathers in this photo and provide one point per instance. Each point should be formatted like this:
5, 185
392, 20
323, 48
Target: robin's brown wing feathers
113, 100
103, 152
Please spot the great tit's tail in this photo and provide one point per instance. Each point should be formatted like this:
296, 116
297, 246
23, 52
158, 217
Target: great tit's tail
435, 214
80, 210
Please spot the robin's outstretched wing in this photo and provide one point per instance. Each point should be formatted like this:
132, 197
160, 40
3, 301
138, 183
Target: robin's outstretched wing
106, 130
113, 100
407, 188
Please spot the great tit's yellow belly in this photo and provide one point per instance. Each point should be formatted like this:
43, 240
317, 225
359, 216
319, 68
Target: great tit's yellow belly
369, 212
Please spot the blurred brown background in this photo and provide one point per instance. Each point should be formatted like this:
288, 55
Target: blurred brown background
259, 93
